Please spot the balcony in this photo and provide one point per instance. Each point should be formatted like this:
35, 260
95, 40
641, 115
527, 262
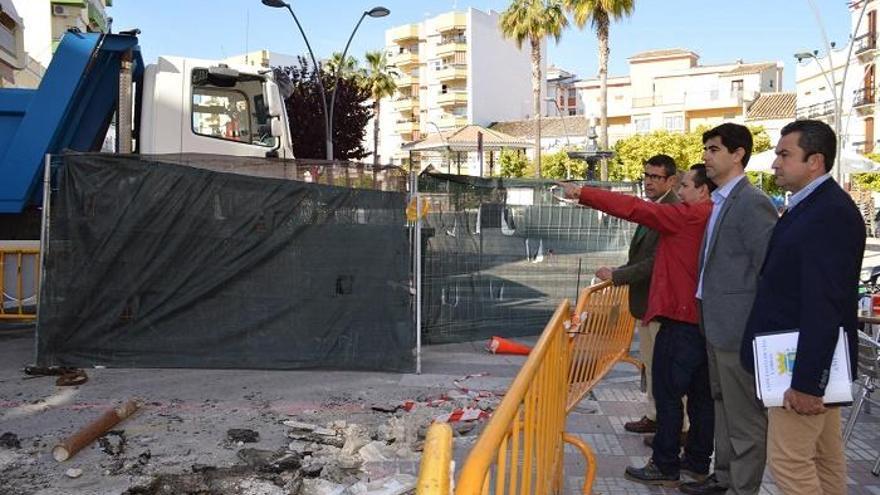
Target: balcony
404, 33
452, 72
451, 22
863, 147
698, 100
407, 80
452, 98
865, 45
448, 49
406, 127
658, 100
816, 110
406, 104
863, 99
449, 120
404, 59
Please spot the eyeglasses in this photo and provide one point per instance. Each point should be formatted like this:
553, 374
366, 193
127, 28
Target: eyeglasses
648, 176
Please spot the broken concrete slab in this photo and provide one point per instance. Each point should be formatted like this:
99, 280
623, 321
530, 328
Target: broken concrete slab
242, 435
10, 440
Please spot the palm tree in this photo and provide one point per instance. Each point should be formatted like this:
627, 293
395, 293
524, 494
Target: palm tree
600, 13
534, 20
380, 82
335, 61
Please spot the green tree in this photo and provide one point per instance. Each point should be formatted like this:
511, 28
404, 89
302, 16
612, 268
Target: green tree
380, 83
869, 180
559, 166
600, 14
534, 20
686, 148
513, 163
631, 153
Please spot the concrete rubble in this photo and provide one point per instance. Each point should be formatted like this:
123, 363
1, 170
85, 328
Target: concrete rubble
254, 432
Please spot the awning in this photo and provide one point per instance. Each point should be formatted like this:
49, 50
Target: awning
852, 162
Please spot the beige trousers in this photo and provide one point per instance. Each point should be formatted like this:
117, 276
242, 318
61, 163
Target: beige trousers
647, 336
805, 453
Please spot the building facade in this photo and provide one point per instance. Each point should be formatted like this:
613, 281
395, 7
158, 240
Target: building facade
819, 79
452, 70
12, 54
45, 22
669, 90
561, 93
263, 58
664, 90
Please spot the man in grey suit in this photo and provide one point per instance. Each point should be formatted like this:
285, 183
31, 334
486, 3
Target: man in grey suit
659, 177
733, 250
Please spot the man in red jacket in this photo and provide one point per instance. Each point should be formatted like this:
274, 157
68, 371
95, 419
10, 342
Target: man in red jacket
680, 365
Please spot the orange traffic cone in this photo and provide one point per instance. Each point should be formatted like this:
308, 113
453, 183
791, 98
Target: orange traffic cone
498, 345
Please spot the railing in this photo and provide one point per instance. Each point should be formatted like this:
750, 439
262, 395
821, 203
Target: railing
863, 97
816, 110
865, 42
19, 283
522, 447
601, 339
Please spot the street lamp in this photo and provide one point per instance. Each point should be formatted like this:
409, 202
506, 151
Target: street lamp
832, 86
328, 113
564, 130
838, 99
442, 140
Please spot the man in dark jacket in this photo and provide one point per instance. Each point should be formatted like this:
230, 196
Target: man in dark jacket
809, 282
659, 179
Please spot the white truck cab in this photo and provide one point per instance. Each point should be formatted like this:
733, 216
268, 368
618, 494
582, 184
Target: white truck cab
201, 106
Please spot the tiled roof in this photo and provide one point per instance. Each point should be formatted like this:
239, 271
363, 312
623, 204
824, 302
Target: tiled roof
772, 106
750, 68
669, 52
551, 127
465, 138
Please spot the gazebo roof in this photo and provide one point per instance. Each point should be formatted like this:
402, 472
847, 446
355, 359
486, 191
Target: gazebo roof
465, 139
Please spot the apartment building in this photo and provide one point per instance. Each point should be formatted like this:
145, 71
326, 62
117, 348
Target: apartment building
453, 69
45, 22
263, 58
669, 89
562, 93
12, 54
819, 78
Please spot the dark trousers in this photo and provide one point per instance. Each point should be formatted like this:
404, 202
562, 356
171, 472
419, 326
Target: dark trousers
681, 368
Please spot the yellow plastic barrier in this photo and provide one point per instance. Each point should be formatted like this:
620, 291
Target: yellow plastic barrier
15, 304
521, 449
434, 472
601, 339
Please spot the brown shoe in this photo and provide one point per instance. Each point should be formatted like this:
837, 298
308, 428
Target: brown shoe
644, 425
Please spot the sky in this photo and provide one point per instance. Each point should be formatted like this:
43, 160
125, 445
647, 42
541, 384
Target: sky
719, 31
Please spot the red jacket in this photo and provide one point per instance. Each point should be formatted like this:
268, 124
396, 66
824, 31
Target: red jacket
676, 264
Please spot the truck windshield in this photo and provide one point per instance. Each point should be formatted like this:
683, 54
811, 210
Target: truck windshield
234, 114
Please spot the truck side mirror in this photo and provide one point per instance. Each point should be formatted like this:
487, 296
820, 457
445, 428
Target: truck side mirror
277, 128
273, 99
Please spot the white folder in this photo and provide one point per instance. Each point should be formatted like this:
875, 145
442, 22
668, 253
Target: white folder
774, 361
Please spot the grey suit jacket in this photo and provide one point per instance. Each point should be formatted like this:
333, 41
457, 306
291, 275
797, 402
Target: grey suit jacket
638, 269
730, 270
